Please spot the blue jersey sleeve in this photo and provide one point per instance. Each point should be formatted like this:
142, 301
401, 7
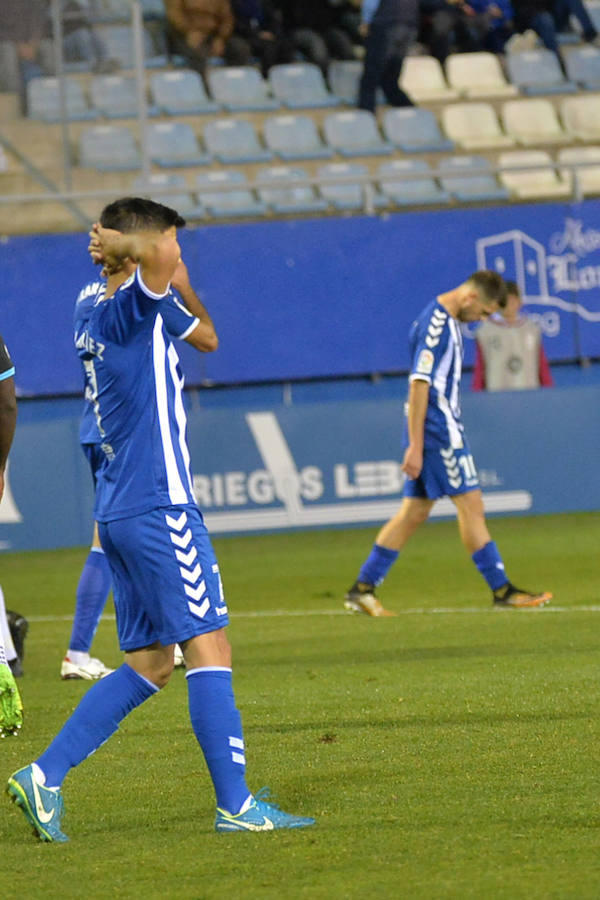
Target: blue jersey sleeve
429, 342
131, 311
179, 321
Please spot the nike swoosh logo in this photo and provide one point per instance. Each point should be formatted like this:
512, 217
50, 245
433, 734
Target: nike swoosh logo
40, 809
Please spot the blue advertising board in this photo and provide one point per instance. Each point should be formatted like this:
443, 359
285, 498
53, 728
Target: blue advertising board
263, 468
321, 298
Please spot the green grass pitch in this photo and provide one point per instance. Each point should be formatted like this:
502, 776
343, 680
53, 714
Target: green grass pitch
451, 752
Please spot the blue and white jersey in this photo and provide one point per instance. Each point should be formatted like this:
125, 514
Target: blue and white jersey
436, 351
178, 321
136, 392
7, 369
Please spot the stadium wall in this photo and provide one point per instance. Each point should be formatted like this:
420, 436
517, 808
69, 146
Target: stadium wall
332, 297
264, 462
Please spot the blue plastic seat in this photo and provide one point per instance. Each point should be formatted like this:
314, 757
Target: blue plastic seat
115, 96
234, 198
174, 144
414, 130
181, 93
119, 43
43, 100
294, 137
409, 181
355, 133
234, 141
239, 88
174, 193
300, 86
583, 66
538, 72
345, 194
344, 77
283, 197
470, 178
109, 148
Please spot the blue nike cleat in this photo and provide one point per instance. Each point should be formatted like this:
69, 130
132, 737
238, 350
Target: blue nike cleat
256, 815
42, 807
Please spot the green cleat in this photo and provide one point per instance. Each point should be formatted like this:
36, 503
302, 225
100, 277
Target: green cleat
256, 815
42, 807
11, 708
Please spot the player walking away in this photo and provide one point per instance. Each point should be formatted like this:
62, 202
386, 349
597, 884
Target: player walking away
437, 459
11, 708
166, 578
187, 320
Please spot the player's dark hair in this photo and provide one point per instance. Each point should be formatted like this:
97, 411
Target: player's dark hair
130, 214
512, 288
491, 286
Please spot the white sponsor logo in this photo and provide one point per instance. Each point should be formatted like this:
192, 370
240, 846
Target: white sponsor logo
425, 362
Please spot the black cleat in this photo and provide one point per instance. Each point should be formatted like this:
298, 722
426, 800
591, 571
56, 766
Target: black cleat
512, 597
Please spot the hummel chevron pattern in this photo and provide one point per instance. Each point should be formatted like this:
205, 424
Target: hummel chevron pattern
186, 555
452, 467
436, 326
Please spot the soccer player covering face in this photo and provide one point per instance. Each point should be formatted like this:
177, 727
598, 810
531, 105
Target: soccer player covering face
437, 459
166, 578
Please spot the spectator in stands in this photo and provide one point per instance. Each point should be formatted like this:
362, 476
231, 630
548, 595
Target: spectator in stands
448, 26
494, 21
81, 43
510, 355
259, 25
390, 29
563, 10
534, 17
318, 29
22, 25
200, 29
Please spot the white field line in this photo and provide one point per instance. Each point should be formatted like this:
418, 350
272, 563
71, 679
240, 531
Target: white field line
415, 611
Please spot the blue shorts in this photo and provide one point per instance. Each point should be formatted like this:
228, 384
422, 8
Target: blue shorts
446, 472
166, 578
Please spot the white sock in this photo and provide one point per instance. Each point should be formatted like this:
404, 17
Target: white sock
79, 657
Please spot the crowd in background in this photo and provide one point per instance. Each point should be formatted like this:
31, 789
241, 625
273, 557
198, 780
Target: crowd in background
201, 33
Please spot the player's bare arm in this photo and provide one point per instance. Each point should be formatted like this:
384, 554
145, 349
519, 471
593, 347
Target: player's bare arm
418, 396
203, 337
157, 253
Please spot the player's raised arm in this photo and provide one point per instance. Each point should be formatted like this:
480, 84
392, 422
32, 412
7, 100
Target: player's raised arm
203, 337
155, 252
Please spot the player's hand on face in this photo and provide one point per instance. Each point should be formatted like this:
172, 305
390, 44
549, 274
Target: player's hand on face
103, 248
412, 462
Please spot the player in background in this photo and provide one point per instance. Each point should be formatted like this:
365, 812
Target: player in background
509, 351
11, 708
437, 459
185, 319
166, 578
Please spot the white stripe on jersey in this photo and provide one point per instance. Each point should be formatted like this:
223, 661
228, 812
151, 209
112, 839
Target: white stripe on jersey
180, 414
447, 400
177, 491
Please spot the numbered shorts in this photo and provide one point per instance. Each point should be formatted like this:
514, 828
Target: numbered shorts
446, 472
167, 586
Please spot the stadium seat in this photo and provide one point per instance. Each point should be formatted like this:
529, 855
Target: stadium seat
174, 193
588, 177
115, 96
119, 43
240, 88
343, 76
583, 66
43, 100
478, 75
234, 141
294, 137
468, 178
409, 181
233, 199
581, 116
355, 133
109, 148
174, 144
533, 121
537, 72
181, 93
414, 130
300, 86
287, 198
423, 79
542, 182
345, 195
474, 126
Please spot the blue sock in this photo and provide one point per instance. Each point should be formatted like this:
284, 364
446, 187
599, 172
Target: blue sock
93, 589
377, 564
489, 562
97, 716
218, 727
